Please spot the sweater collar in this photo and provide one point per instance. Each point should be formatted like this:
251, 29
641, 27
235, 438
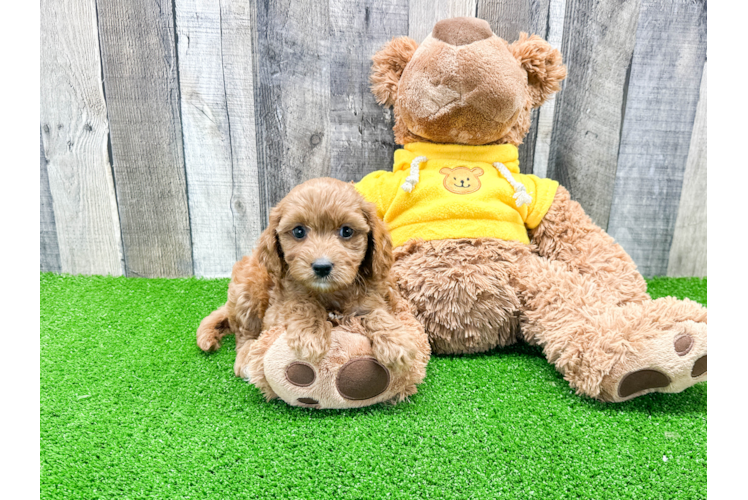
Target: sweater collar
503, 153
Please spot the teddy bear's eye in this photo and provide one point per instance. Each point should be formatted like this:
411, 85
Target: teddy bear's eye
468, 178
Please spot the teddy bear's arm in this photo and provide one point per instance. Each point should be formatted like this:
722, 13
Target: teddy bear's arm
568, 235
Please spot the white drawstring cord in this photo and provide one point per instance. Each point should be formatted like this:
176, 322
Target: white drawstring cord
412, 179
521, 196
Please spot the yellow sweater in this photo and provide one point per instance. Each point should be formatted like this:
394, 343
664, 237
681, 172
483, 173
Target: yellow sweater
459, 193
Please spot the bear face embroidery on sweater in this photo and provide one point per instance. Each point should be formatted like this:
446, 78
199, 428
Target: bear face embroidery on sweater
461, 180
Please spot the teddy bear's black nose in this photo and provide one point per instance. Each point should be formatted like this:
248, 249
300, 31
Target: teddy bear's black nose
461, 30
322, 267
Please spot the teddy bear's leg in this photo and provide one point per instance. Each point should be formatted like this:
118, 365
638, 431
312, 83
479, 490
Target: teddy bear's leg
461, 291
567, 235
607, 351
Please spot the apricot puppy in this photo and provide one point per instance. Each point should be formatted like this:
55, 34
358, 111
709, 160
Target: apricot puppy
324, 257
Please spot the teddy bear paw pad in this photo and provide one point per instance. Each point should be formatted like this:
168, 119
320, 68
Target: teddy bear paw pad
683, 344
362, 378
699, 367
300, 374
642, 380
308, 401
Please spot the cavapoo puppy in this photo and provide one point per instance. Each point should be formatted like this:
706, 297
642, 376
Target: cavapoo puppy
324, 257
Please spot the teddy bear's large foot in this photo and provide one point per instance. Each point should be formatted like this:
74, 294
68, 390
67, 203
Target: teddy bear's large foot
670, 362
620, 353
348, 376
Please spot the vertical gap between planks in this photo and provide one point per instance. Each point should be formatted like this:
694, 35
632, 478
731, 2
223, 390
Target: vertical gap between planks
228, 123
554, 36
181, 130
120, 244
259, 139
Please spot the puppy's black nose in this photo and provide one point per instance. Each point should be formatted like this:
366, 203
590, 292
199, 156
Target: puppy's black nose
322, 267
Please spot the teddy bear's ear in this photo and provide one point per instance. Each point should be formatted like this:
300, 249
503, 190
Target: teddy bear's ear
388, 65
477, 171
543, 65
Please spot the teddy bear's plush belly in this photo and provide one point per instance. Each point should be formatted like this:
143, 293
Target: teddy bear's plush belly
462, 290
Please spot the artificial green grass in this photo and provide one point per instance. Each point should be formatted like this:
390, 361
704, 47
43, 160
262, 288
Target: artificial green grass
131, 408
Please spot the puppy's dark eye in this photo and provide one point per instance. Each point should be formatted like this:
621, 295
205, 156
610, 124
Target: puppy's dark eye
299, 232
346, 232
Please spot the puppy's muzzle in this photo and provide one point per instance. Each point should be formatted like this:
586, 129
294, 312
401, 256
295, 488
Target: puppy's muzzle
322, 267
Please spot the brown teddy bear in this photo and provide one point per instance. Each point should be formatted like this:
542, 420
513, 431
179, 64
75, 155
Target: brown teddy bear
488, 256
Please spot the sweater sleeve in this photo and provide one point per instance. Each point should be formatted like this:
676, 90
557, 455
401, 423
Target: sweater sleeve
380, 188
543, 192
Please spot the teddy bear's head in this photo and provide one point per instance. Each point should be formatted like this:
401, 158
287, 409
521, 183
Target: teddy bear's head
464, 84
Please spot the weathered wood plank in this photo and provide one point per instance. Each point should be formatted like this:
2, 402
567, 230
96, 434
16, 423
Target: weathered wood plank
508, 18
140, 82
361, 138
663, 94
239, 54
424, 14
598, 42
292, 96
49, 250
214, 41
545, 115
688, 251
74, 132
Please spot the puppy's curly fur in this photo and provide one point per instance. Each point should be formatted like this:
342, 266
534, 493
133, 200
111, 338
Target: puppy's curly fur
320, 221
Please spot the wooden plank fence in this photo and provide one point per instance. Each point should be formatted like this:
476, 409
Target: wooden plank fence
169, 128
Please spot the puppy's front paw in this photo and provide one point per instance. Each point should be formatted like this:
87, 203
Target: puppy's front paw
208, 343
397, 355
311, 347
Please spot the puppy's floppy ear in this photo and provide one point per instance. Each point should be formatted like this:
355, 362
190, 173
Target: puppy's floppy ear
378, 259
542, 64
269, 251
388, 65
